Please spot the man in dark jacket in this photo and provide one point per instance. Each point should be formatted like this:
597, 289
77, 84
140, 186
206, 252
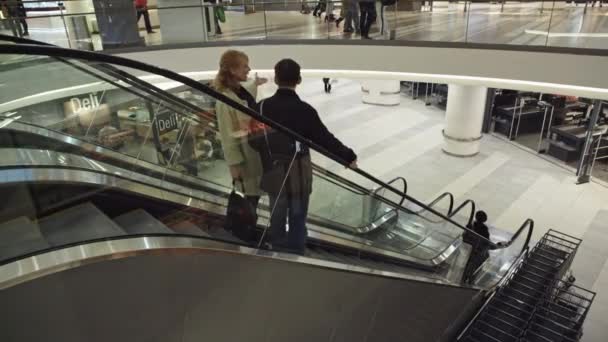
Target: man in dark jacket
287, 166
479, 245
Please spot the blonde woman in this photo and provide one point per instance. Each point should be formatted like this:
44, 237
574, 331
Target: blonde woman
244, 162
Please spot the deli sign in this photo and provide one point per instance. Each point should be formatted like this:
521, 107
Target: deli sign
165, 122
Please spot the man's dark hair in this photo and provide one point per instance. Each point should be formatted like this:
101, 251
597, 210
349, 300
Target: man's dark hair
481, 216
287, 73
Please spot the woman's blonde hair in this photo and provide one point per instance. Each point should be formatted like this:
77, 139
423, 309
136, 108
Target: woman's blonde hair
229, 61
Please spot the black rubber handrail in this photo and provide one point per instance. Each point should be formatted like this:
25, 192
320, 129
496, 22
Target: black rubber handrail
439, 198
393, 181
51, 51
471, 214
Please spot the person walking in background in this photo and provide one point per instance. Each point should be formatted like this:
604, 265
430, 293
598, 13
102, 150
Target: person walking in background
479, 246
216, 21
287, 166
16, 14
320, 8
243, 162
327, 84
351, 15
141, 6
368, 16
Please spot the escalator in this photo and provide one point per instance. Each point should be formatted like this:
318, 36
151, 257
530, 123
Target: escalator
142, 204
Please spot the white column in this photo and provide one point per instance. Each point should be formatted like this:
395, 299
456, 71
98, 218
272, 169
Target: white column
463, 120
381, 92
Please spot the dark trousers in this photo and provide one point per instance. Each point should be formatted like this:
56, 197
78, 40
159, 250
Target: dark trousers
368, 16
17, 22
294, 208
319, 9
326, 84
476, 259
144, 12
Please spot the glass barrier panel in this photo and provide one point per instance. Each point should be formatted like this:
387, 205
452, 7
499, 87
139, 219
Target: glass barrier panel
241, 21
287, 20
579, 25
508, 22
430, 21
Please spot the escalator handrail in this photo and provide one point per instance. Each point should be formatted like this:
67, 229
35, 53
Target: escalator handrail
393, 181
528, 223
439, 198
471, 214
52, 51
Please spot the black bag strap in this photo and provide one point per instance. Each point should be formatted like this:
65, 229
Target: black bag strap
264, 128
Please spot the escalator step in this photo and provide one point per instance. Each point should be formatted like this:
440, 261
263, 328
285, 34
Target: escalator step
187, 228
19, 237
141, 222
79, 223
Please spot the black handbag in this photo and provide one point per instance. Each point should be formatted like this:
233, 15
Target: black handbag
241, 215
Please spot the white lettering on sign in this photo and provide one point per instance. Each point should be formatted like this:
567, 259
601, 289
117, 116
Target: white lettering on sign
165, 123
86, 104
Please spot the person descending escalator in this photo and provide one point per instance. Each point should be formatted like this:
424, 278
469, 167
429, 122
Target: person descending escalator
243, 162
479, 247
287, 165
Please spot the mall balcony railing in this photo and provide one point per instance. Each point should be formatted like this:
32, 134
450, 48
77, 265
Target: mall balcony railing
77, 23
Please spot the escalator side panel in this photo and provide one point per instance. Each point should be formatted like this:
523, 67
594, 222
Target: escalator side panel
195, 296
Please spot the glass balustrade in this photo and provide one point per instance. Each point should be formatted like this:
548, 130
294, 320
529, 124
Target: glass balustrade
77, 24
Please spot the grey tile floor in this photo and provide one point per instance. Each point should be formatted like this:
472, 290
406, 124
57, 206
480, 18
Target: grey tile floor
504, 180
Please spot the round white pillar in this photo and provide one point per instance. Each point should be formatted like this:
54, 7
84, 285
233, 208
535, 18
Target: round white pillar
381, 92
463, 120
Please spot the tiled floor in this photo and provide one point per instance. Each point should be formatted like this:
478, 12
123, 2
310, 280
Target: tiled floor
507, 182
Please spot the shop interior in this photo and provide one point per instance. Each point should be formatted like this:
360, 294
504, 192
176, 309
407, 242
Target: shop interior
552, 125
128, 124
